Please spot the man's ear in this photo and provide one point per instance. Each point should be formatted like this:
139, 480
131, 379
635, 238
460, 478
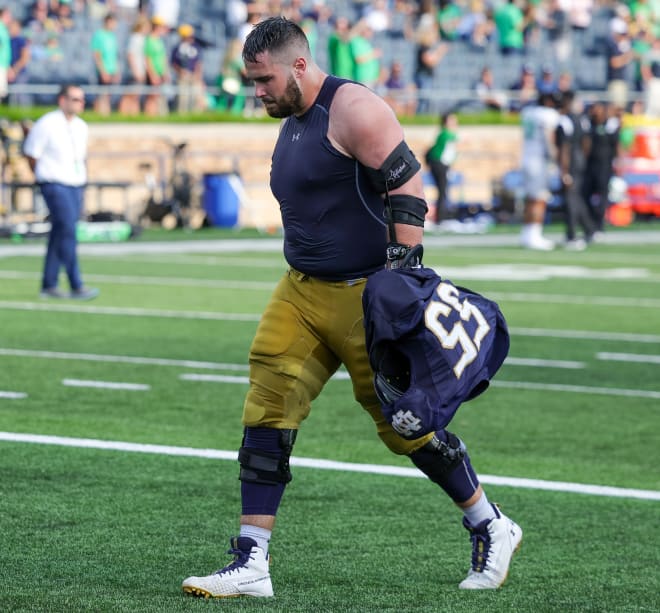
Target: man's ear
300, 66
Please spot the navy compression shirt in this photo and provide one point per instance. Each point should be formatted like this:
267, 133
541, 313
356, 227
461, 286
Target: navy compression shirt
332, 216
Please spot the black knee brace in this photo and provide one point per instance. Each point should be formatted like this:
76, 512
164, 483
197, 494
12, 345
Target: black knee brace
438, 459
265, 467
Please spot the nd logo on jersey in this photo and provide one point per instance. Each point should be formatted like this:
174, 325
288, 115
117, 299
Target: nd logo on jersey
406, 423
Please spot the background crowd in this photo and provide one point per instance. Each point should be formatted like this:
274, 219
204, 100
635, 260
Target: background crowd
423, 56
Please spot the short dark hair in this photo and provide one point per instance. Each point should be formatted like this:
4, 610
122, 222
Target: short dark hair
567, 98
65, 90
273, 34
547, 99
445, 116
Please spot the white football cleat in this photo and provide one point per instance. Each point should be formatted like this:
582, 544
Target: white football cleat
247, 575
493, 544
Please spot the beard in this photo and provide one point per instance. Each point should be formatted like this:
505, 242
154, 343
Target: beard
290, 103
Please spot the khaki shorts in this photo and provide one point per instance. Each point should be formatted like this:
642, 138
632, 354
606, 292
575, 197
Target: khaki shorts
307, 330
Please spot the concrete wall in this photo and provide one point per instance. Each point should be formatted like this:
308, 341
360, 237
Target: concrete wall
117, 152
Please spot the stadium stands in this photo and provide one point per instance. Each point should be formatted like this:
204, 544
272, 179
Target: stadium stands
66, 55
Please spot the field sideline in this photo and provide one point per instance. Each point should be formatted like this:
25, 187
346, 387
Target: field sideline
111, 413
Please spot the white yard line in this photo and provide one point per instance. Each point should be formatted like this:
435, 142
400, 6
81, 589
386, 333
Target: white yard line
576, 389
125, 311
340, 375
539, 363
628, 357
320, 464
110, 385
127, 359
606, 301
586, 335
160, 281
214, 378
12, 395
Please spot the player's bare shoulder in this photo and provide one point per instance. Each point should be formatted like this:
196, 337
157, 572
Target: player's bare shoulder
361, 122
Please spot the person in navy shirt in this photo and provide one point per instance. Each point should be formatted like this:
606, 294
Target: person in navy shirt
186, 62
339, 158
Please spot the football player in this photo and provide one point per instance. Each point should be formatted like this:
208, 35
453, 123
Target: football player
539, 123
339, 156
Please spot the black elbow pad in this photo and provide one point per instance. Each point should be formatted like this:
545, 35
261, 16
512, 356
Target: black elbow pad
399, 167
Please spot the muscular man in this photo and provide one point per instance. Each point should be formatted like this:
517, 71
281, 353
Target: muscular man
340, 148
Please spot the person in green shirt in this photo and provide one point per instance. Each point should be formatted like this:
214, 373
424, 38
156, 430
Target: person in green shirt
105, 50
510, 25
449, 16
642, 43
439, 159
365, 55
232, 80
340, 60
5, 50
157, 67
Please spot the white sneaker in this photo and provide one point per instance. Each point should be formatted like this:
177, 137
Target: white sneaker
538, 243
493, 544
247, 575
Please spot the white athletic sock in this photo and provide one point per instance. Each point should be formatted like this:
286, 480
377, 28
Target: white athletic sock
480, 511
260, 535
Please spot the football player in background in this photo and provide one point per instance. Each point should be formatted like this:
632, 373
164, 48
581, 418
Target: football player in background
572, 140
340, 148
539, 155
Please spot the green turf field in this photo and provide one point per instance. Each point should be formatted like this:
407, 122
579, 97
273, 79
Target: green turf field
567, 440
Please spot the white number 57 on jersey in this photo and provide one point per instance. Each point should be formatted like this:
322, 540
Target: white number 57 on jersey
443, 313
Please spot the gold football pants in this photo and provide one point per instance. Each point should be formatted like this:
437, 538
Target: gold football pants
307, 330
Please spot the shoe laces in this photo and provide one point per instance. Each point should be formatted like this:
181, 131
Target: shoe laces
480, 545
241, 559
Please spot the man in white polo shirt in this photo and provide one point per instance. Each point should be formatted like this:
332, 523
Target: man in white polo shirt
56, 148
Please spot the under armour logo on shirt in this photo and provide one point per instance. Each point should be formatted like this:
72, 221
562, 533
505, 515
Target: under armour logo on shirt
295, 137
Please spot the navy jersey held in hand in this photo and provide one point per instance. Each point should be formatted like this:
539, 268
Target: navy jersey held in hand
431, 344
332, 216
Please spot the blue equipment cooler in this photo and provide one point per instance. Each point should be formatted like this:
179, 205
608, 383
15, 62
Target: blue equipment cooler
221, 199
